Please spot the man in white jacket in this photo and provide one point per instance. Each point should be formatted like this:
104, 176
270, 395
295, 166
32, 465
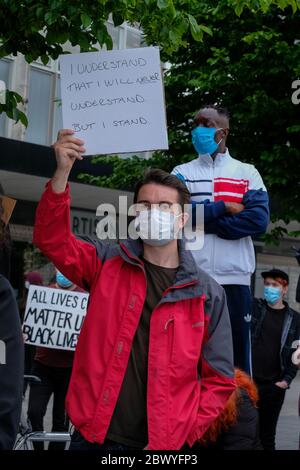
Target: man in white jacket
235, 209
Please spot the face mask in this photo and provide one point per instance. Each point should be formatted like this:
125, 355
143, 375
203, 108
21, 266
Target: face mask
203, 139
155, 227
62, 281
272, 294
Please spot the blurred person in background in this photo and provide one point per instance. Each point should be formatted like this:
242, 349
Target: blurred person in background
53, 367
237, 427
297, 255
297, 353
36, 279
275, 329
11, 340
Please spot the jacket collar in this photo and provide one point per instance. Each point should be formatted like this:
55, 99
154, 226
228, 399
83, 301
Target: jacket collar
220, 159
132, 250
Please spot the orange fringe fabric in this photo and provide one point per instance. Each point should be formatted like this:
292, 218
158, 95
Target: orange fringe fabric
229, 415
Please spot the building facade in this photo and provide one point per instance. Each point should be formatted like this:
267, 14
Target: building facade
26, 163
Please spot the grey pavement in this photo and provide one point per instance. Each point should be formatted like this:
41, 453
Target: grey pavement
288, 428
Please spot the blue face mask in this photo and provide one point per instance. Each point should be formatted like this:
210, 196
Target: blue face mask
272, 294
203, 139
62, 281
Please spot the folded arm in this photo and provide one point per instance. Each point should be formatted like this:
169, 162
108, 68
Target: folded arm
251, 221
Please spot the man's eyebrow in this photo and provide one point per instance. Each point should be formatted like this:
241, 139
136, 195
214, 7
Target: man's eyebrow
159, 202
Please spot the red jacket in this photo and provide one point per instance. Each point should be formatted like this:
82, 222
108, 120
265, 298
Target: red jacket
190, 361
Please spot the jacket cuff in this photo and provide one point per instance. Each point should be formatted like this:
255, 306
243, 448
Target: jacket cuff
57, 197
288, 380
195, 435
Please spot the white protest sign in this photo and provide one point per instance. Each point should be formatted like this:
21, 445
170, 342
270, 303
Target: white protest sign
53, 317
114, 100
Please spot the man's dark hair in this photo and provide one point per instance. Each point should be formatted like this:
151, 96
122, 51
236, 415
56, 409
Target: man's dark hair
220, 110
157, 176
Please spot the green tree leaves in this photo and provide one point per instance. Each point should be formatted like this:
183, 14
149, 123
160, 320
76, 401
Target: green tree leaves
86, 20
263, 6
248, 65
10, 107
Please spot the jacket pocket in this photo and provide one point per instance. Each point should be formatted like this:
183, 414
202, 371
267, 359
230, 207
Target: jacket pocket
189, 330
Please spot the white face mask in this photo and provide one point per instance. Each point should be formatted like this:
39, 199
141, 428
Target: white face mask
156, 227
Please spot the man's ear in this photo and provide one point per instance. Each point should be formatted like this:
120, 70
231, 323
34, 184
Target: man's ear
226, 132
184, 218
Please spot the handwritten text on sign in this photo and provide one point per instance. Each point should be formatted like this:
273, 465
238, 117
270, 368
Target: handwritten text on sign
53, 317
114, 100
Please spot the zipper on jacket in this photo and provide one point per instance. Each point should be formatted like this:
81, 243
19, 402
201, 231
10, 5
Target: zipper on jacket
169, 329
213, 237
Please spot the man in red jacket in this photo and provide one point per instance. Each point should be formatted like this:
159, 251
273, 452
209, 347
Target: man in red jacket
153, 365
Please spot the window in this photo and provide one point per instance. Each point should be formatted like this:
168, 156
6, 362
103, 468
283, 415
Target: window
57, 110
5, 76
44, 110
114, 33
133, 38
40, 99
124, 36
